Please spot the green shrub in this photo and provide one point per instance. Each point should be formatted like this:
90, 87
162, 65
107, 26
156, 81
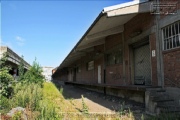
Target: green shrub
4, 104
84, 106
17, 116
33, 75
6, 79
21, 69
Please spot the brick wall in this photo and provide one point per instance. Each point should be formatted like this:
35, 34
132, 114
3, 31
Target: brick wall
172, 67
165, 11
114, 74
140, 22
60, 75
112, 41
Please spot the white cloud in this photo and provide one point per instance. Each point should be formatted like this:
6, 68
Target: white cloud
20, 41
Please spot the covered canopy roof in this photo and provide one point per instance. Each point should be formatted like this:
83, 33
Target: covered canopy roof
110, 21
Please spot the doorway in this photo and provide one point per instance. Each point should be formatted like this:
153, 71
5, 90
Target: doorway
142, 66
99, 74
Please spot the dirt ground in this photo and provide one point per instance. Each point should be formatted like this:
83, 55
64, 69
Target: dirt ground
99, 103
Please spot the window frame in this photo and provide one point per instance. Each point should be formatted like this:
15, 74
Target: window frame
171, 36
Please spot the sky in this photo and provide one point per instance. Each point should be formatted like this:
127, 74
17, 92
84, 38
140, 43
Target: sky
47, 30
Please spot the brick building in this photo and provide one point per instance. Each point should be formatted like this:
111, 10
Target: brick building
131, 50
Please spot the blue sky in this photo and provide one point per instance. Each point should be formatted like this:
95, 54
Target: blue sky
47, 30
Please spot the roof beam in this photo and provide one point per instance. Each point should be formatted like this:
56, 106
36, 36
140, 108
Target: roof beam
92, 44
76, 56
105, 33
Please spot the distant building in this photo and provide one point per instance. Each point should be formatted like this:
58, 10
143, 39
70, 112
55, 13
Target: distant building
13, 60
47, 72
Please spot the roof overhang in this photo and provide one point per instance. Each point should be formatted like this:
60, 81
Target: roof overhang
110, 21
136, 6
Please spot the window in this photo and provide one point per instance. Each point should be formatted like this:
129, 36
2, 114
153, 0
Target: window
171, 36
114, 57
90, 65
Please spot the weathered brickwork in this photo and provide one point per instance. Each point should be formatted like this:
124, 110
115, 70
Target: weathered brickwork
113, 40
114, 74
169, 10
172, 67
139, 23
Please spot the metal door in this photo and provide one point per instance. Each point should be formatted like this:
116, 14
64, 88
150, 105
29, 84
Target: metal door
142, 67
99, 73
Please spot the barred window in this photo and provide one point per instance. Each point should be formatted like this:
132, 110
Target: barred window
171, 36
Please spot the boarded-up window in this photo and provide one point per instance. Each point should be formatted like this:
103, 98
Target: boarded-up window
90, 65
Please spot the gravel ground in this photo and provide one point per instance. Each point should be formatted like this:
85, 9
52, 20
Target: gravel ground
100, 103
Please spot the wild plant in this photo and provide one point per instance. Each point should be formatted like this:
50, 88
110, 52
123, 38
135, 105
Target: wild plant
84, 106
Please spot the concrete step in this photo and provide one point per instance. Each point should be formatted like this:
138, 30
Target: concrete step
162, 100
159, 93
169, 109
155, 96
161, 90
165, 104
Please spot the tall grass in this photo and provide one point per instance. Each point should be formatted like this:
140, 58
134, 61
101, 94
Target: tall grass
34, 98
27, 95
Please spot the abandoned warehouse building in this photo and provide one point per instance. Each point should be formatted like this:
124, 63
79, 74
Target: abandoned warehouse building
13, 60
131, 50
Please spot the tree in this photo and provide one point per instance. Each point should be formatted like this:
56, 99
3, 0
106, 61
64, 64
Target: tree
21, 69
33, 75
6, 79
